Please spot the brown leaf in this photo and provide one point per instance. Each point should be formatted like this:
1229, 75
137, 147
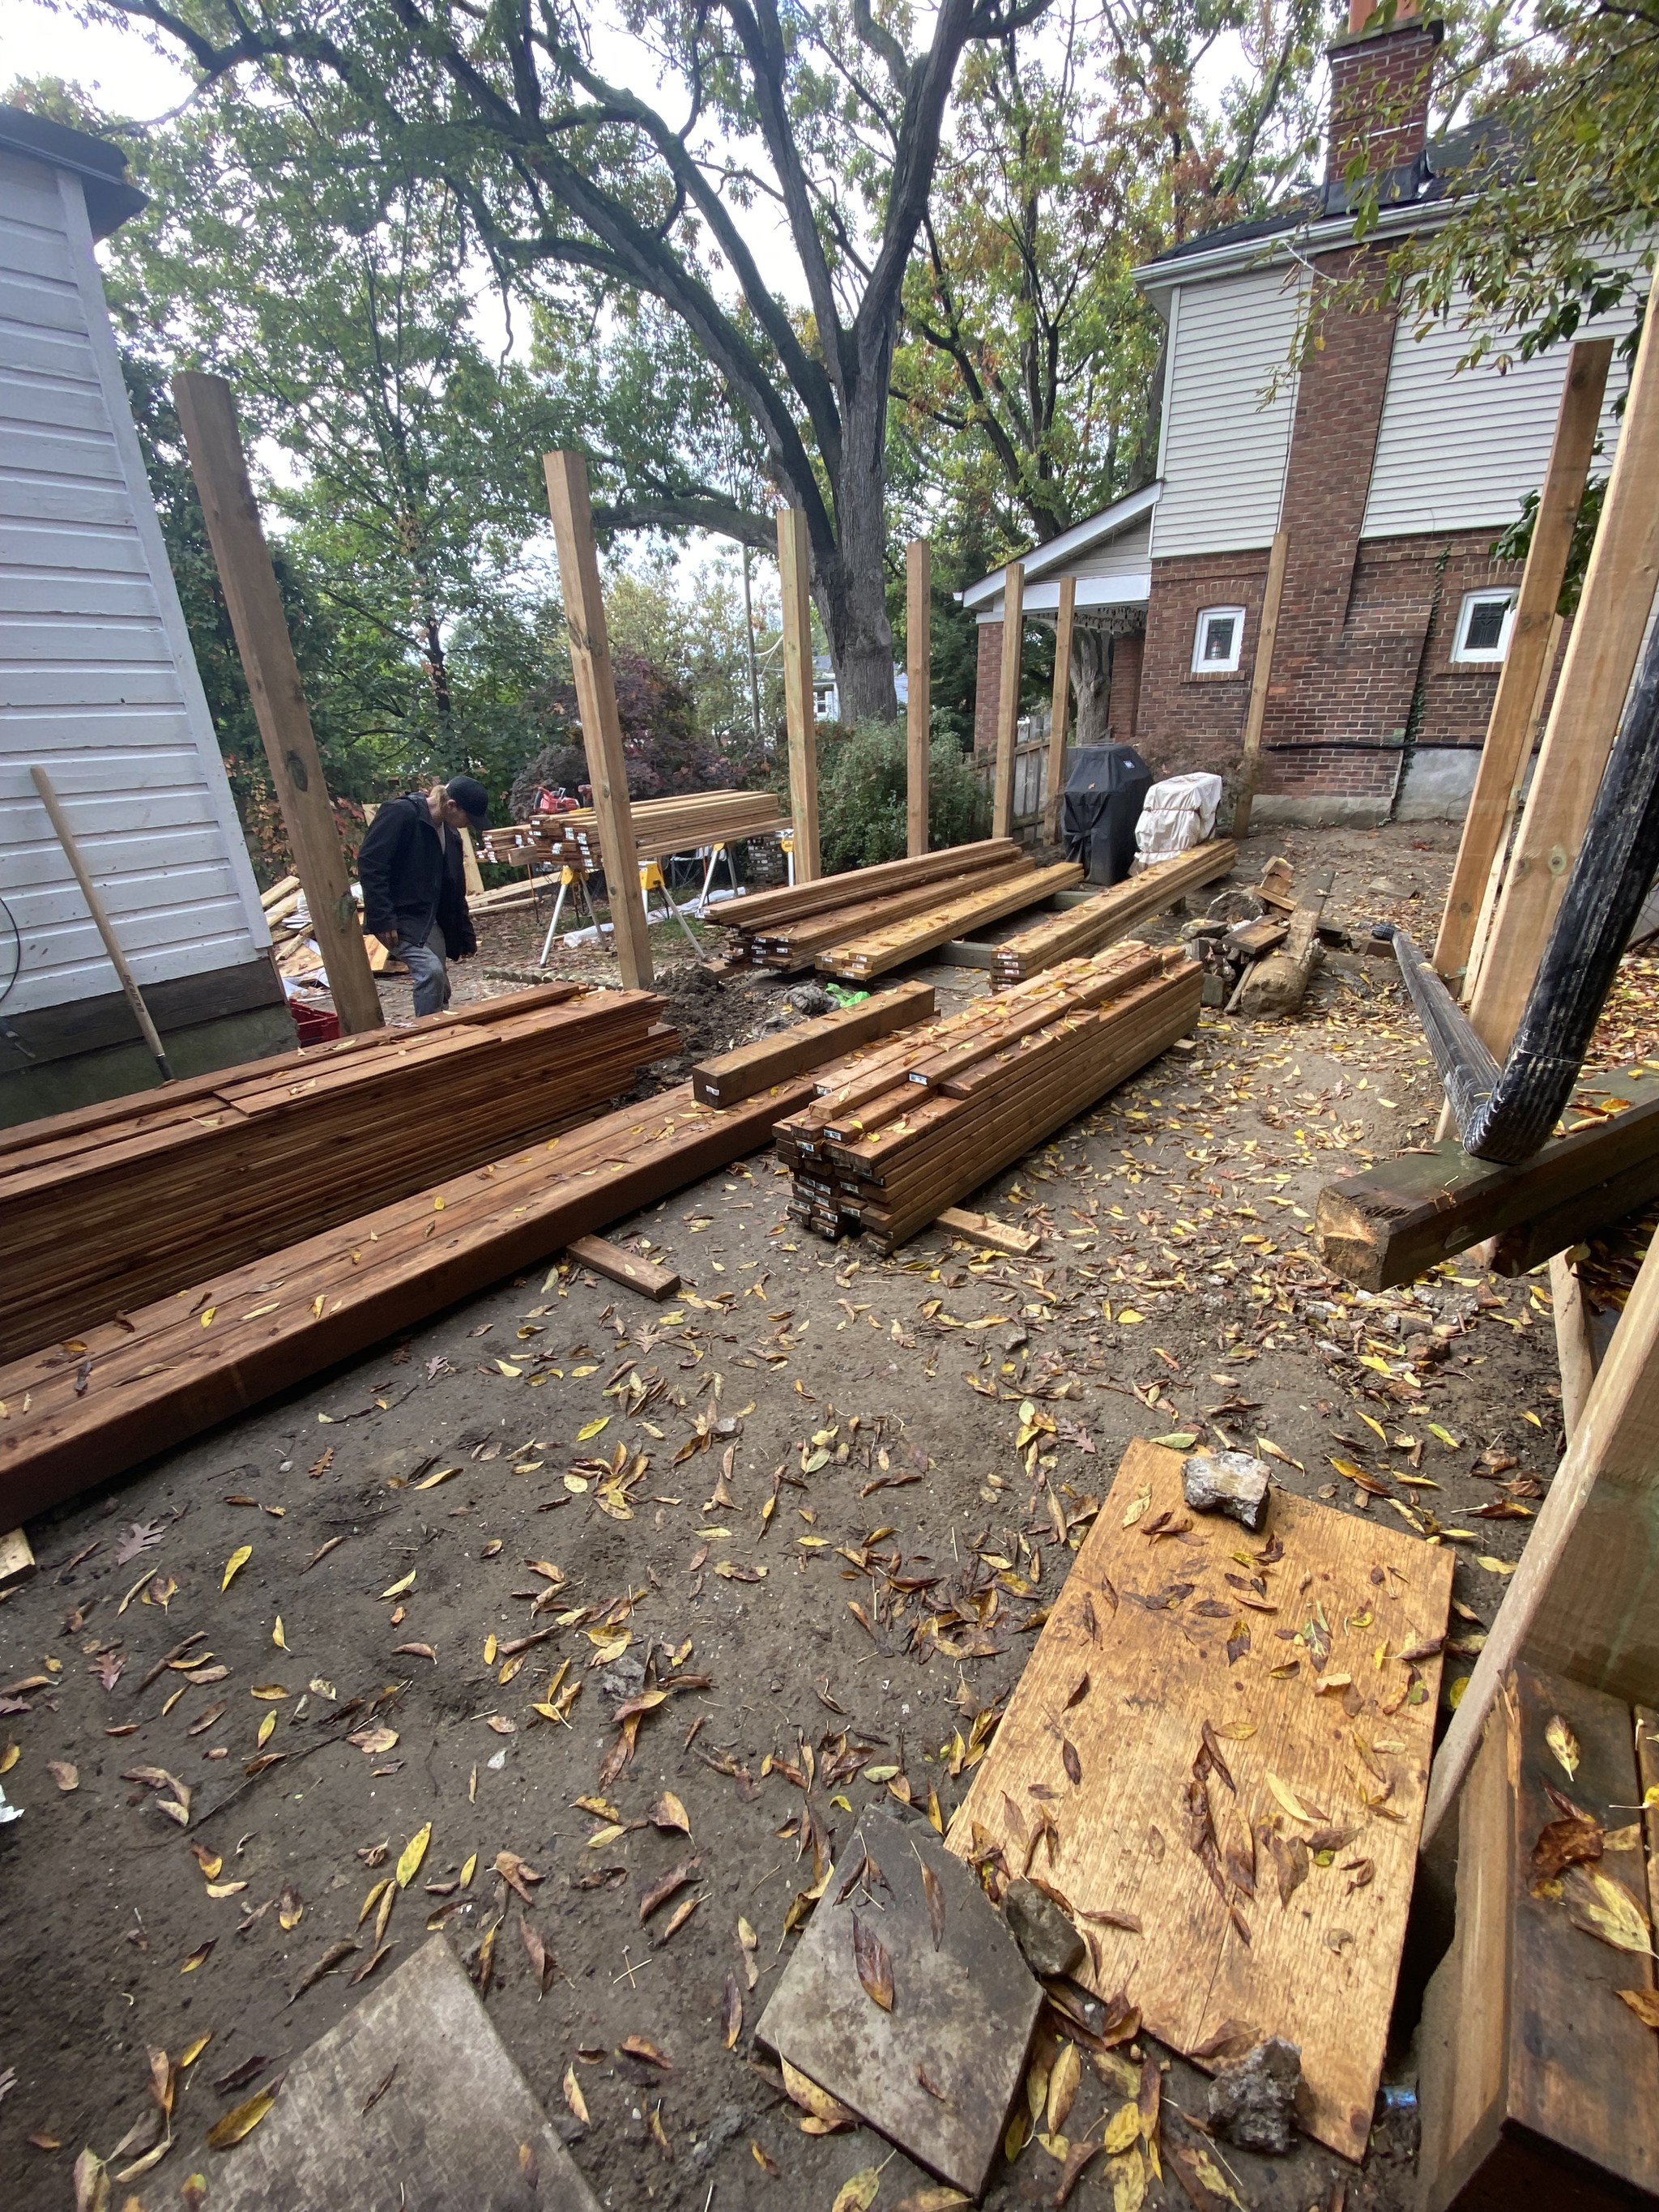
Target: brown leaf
731, 2013
1077, 2158
640, 2046
1071, 1762
875, 1967
1561, 1844
669, 1813
935, 1895
662, 1889
677, 1920
375, 1959
1080, 1691
1644, 2003
66, 1776
230, 2130
1230, 2032
1109, 1919
330, 1959
517, 1873
543, 1963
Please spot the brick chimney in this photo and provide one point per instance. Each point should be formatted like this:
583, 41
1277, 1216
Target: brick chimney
1380, 76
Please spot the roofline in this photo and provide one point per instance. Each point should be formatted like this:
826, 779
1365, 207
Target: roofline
1041, 601
1294, 243
102, 167
1056, 551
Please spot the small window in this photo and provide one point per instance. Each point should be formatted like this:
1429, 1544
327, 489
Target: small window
1216, 644
1484, 626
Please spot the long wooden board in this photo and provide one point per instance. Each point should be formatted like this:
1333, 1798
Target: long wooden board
862, 957
1131, 1664
730, 1076
1402, 1216
1110, 914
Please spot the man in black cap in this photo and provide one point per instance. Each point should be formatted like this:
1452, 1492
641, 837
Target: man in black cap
414, 884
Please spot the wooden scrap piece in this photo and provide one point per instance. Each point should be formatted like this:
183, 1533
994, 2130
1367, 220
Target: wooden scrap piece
627, 1267
1278, 984
1198, 1661
985, 1229
739, 1074
963, 2005
17, 1557
411, 2099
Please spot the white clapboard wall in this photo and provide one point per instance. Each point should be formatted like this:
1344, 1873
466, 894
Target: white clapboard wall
97, 682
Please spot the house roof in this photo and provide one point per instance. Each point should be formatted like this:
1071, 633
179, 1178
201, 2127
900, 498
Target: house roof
101, 167
1046, 560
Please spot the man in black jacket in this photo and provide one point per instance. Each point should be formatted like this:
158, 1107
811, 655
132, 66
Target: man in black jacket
414, 884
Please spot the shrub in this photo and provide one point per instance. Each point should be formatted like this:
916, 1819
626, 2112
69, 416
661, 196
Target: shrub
861, 795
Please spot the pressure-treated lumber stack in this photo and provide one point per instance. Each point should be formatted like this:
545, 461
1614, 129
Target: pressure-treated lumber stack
899, 1132
874, 952
661, 826
1111, 914
168, 1371
786, 929
112, 1205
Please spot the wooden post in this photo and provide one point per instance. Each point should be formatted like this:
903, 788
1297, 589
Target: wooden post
799, 717
1060, 709
1590, 698
918, 711
1249, 772
471, 872
240, 552
1504, 756
1584, 1601
1013, 642
1494, 887
596, 700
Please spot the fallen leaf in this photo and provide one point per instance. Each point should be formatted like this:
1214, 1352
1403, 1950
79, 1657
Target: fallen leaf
764, 2160
859, 2193
731, 2013
574, 2097
229, 2130
827, 2114
1602, 1906
875, 1966
641, 2046
330, 1959
413, 1852
1644, 2003
66, 1776
666, 1884
1564, 1743
234, 1565
935, 1895
669, 1813
543, 1963
1571, 1841
1064, 2077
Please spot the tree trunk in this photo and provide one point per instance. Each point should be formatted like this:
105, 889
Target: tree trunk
849, 579
1091, 684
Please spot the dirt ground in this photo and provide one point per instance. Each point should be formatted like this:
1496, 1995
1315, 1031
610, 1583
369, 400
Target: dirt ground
356, 1562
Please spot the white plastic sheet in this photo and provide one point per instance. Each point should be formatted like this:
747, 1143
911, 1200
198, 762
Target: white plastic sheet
1179, 813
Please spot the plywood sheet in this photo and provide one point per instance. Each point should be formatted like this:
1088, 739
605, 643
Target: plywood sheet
1100, 1737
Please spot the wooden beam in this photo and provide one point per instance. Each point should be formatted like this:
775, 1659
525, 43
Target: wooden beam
799, 716
469, 868
1574, 1347
984, 1228
220, 467
626, 1267
1504, 756
1013, 644
1495, 873
749, 1068
1590, 699
596, 699
1250, 772
1584, 1601
1404, 1216
1060, 709
919, 669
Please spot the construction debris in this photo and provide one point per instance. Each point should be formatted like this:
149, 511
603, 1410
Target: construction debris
1279, 983
1048, 1942
1252, 2101
627, 1267
1230, 1482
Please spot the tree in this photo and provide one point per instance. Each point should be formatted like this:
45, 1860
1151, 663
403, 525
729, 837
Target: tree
824, 116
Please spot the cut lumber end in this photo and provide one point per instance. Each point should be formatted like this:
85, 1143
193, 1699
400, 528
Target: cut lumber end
16, 1558
1353, 1243
627, 1267
984, 1228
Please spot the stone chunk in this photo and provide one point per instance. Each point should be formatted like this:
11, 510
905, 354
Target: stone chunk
1230, 1482
1253, 2101
1051, 1944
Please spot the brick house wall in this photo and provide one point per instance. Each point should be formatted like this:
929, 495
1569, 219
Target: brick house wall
987, 679
1123, 699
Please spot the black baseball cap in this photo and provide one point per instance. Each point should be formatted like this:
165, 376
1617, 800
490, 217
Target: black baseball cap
470, 795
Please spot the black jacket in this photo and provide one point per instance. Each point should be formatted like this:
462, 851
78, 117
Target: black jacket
411, 880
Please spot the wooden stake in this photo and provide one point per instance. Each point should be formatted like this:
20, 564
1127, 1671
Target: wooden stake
220, 467
596, 699
1590, 698
918, 711
799, 720
1504, 756
1250, 772
1585, 1599
471, 872
1060, 710
1013, 643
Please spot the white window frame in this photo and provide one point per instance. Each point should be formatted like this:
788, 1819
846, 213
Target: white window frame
1480, 656
1229, 668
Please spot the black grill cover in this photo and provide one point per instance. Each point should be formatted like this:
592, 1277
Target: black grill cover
1104, 795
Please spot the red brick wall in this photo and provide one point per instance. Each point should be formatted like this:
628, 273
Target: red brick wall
987, 683
1123, 700
1380, 97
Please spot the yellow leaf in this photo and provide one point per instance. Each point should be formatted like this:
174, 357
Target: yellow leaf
277, 1636
1604, 1907
234, 1565
507, 1368
1377, 1426
266, 1728
193, 2050
468, 1871
1445, 1436
241, 2122
1129, 2174
573, 2094
1063, 2080
271, 1692
1214, 2178
9, 1757
1564, 1743
207, 1317
431, 1481
859, 2193
1128, 1318
1121, 2130
1288, 1799
398, 1589
414, 1851
593, 1429
490, 1649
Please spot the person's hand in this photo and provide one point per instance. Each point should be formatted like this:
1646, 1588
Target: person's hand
390, 940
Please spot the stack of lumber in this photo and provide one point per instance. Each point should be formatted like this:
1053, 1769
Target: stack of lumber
168, 1371
1111, 914
788, 929
111, 1206
874, 951
661, 826
910, 1125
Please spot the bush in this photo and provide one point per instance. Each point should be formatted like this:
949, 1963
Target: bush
861, 795
664, 753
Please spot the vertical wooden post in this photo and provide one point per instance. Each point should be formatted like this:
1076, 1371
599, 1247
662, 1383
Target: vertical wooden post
471, 872
1489, 897
1590, 698
799, 717
1250, 772
596, 700
1060, 709
240, 553
1504, 755
1013, 643
918, 711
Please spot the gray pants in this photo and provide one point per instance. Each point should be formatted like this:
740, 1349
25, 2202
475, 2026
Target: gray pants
427, 971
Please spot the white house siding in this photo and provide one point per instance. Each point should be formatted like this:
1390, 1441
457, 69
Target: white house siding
1460, 450
97, 682
1128, 554
1222, 450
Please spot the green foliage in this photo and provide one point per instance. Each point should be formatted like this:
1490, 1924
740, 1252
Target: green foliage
1515, 543
861, 795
